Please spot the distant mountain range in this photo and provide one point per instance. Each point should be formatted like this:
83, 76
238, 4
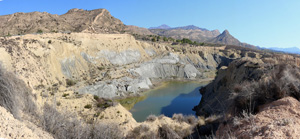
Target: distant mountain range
198, 34
292, 50
189, 27
163, 26
191, 32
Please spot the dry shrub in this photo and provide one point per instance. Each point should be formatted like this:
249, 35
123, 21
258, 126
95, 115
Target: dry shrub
151, 118
105, 131
63, 125
178, 117
165, 132
15, 96
161, 116
141, 132
190, 119
212, 118
66, 125
183, 132
201, 121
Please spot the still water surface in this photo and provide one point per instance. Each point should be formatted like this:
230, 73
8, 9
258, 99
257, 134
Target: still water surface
172, 97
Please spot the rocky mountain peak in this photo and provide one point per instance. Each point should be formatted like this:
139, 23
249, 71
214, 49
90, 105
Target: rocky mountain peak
225, 32
226, 38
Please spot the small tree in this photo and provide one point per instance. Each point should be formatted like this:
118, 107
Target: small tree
153, 39
39, 31
165, 39
158, 38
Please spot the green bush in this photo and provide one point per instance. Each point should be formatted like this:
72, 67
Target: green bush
70, 82
100, 68
8, 35
165, 39
58, 103
96, 97
101, 105
65, 95
39, 31
153, 39
88, 106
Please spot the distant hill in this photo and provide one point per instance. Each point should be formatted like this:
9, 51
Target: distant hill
191, 27
198, 34
163, 26
225, 38
75, 20
228, 39
191, 32
137, 30
292, 50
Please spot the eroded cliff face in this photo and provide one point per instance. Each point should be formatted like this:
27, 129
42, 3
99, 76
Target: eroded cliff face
107, 65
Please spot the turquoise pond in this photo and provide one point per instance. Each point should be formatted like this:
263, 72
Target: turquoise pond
172, 97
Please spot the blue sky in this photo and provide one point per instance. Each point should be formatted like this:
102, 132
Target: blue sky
266, 23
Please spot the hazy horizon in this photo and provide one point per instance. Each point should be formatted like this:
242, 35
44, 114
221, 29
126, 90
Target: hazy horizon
269, 23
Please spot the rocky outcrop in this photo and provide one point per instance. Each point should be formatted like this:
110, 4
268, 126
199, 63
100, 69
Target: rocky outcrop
123, 58
117, 87
166, 67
